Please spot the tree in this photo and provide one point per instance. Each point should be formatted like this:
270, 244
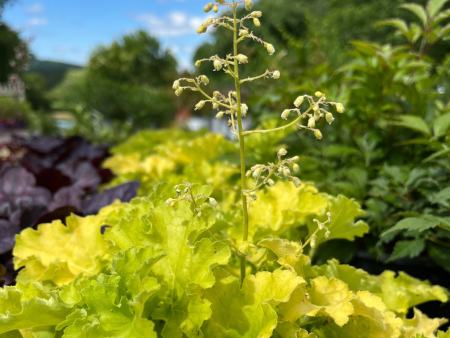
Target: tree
9, 42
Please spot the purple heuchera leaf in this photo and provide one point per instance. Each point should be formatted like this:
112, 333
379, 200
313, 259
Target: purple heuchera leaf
124, 192
67, 196
8, 231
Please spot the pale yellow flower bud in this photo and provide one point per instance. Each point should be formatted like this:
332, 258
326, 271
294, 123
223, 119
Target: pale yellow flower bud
286, 172
219, 115
212, 202
340, 108
298, 102
179, 91
295, 159
248, 173
204, 79
329, 118
318, 94
296, 168
243, 32
208, 7
215, 105
311, 123
256, 22
198, 63
256, 14
316, 108
318, 134
244, 109
256, 173
313, 241
200, 105
271, 182
282, 152
202, 29
217, 65
327, 234
296, 181
234, 94
169, 202
220, 1
209, 21
248, 4
285, 114
270, 49
176, 85
242, 58
215, 9
216, 94
276, 74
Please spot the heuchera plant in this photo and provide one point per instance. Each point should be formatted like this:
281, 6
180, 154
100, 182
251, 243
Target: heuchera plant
164, 268
235, 110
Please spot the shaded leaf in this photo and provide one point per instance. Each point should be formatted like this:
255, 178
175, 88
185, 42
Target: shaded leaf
411, 249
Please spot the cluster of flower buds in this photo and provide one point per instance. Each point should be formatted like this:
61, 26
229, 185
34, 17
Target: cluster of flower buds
248, 4
321, 226
317, 112
187, 195
281, 169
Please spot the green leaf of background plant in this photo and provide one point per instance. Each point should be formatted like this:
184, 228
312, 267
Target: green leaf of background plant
397, 23
436, 155
441, 125
415, 223
434, 6
412, 122
417, 10
444, 31
441, 197
407, 248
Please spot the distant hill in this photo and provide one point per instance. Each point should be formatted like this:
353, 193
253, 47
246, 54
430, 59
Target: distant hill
53, 72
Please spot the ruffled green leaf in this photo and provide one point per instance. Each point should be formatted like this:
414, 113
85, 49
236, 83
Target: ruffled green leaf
420, 324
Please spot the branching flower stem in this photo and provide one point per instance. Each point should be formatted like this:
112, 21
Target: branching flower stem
241, 138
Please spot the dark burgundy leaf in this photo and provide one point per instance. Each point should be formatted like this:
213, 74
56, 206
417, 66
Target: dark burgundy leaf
8, 231
15, 181
41, 144
83, 174
124, 192
2, 272
57, 214
67, 196
52, 179
30, 216
105, 174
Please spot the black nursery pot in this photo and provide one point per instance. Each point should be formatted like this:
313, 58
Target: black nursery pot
421, 267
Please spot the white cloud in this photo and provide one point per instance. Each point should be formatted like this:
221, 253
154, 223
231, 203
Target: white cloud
36, 22
171, 25
35, 8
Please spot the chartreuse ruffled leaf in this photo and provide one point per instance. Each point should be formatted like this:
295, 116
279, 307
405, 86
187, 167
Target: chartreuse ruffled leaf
279, 207
403, 292
292, 330
248, 311
420, 324
343, 213
324, 298
186, 266
444, 334
58, 253
28, 305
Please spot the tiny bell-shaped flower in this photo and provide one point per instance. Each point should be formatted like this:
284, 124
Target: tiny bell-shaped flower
318, 94
286, 172
217, 65
198, 63
285, 114
242, 58
248, 173
271, 182
296, 168
270, 49
244, 109
219, 115
170, 202
216, 94
215, 9
316, 108
329, 118
179, 91
215, 105
340, 108
212, 202
256, 22
313, 241
295, 159
176, 85
327, 234
311, 122
256, 14
282, 152
256, 173
248, 4
298, 102
276, 74
200, 105
208, 7
220, 1
234, 94
297, 182
318, 134
204, 79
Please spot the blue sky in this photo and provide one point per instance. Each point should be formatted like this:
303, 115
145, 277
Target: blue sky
68, 30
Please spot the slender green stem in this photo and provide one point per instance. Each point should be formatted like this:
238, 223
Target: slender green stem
241, 140
279, 128
256, 77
